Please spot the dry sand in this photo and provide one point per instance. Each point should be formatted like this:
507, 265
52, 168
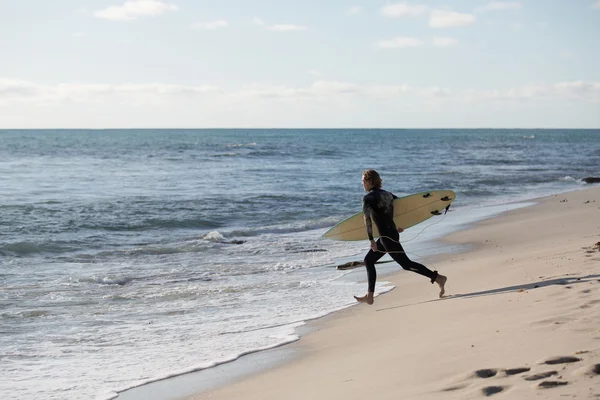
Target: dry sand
522, 321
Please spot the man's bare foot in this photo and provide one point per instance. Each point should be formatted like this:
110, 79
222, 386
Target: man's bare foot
441, 281
367, 298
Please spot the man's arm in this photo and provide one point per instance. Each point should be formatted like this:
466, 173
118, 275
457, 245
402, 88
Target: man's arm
368, 211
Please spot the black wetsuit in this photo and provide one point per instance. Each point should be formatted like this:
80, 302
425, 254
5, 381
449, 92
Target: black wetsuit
378, 205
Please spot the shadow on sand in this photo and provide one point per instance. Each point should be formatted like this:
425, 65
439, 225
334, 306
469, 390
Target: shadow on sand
574, 280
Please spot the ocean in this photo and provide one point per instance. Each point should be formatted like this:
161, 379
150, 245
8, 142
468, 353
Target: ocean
128, 256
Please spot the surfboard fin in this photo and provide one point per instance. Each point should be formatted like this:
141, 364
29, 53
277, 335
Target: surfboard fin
436, 212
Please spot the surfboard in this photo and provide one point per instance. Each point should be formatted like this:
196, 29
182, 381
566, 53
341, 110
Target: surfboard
408, 211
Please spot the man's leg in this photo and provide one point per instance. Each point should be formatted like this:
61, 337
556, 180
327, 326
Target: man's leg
396, 251
370, 259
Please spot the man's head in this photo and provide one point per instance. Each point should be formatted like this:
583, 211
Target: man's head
371, 180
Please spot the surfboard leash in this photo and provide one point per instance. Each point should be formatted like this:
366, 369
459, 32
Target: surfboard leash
422, 230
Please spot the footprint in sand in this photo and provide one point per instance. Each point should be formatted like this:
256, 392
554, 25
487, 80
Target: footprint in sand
516, 371
508, 373
456, 387
486, 373
492, 390
552, 384
562, 360
539, 376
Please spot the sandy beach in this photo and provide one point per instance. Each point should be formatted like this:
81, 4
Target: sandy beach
521, 320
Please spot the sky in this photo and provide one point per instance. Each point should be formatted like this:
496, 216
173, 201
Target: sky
299, 64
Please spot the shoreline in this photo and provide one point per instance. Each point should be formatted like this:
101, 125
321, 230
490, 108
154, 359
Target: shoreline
522, 303
259, 362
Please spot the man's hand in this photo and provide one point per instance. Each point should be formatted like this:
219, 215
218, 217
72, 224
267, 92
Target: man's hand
400, 230
373, 245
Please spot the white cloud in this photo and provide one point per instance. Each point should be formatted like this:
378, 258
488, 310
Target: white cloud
581, 90
436, 91
596, 5
501, 6
132, 9
258, 21
77, 35
324, 102
14, 92
402, 10
319, 89
211, 26
354, 10
23, 91
444, 41
12, 88
287, 28
334, 87
449, 19
400, 42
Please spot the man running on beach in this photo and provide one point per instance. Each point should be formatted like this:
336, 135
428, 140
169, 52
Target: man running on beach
378, 206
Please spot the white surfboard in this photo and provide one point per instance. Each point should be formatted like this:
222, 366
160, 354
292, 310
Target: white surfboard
408, 211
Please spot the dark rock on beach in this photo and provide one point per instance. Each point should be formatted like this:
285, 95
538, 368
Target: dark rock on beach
591, 179
351, 264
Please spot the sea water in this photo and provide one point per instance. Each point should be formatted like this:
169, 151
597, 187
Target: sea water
127, 256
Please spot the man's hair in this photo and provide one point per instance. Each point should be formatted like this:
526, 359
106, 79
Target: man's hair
372, 176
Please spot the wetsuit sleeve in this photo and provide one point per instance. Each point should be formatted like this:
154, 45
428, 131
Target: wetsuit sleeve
368, 212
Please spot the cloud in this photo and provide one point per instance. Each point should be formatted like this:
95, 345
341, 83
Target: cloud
436, 91
580, 90
15, 92
23, 91
324, 102
400, 42
501, 6
449, 19
258, 21
132, 9
77, 35
408, 42
354, 10
402, 10
211, 26
596, 5
318, 89
10, 88
444, 41
287, 28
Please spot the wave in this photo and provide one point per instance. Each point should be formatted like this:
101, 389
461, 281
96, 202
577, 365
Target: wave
204, 243
28, 248
222, 155
289, 228
569, 179
105, 280
288, 336
151, 224
237, 145
286, 340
